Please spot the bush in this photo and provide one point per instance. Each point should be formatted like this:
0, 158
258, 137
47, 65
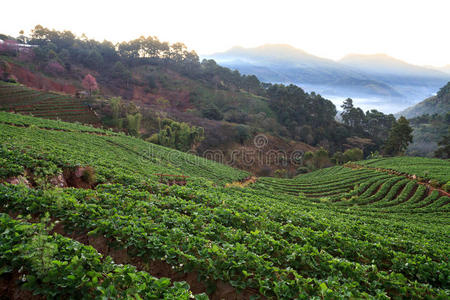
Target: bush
302, 170
212, 113
88, 175
177, 135
265, 171
281, 173
237, 117
446, 187
434, 183
338, 158
354, 154
242, 134
321, 159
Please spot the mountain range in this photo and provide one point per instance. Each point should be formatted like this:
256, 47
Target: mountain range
373, 81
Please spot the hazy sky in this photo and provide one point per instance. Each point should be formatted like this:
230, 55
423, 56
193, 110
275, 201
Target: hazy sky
415, 31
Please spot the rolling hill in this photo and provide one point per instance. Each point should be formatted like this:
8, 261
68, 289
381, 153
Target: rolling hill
102, 222
392, 82
438, 104
430, 120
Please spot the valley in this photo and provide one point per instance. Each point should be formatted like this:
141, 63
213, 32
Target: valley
133, 168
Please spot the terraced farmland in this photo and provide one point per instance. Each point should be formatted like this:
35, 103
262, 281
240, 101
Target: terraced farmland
428, 168
338, 233
19, 99
370, 189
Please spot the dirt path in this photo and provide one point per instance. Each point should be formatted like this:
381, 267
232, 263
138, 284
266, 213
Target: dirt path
243, 183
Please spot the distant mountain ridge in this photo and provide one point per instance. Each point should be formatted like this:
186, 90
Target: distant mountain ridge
438, 104
392, 82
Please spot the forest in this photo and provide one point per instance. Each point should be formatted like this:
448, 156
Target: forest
282, 110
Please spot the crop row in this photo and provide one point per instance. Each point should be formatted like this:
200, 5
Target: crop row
57, 267
199, 238
25, 100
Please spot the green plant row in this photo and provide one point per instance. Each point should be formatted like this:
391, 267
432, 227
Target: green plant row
57, 267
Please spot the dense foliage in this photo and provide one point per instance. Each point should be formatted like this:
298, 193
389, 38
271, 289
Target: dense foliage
217, 93
334, 233
399, 138
428, 131
177, 135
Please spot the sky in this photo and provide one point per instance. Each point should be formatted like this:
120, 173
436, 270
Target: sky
414, 31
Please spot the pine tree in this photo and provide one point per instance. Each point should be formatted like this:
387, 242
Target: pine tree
399, 137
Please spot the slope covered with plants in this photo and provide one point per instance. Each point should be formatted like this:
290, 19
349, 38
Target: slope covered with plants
327, 234
23, 100
157, 80
439, 104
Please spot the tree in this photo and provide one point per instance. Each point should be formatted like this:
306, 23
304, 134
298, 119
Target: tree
242, 133
338, 158
321, 159
399, 137
212, 112
347, 106
90, 83
121, 72
5, 70
116, 104
353, 154
54, 68
445, 90
178, 135
444, 150
377, 124
134, 123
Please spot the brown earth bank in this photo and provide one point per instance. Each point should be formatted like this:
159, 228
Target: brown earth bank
10, 288
76, 177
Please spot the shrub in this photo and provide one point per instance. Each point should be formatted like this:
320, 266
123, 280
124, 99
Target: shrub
265, 171
177, 135
446, 187
281, 173
212, 113
302, 170
354, 154
88, 175
434, 183
338, 158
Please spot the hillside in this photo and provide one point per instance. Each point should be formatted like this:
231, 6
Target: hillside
438, 104
148, 88
429, 130
23, 100
120, 231
430, 120
364, 77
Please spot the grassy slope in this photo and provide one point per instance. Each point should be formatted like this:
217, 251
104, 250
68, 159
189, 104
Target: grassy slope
428, 168
112, 155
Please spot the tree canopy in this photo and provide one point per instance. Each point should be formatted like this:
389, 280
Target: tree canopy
399, 137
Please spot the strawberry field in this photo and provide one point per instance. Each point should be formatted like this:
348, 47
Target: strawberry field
23, 100
337, 233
